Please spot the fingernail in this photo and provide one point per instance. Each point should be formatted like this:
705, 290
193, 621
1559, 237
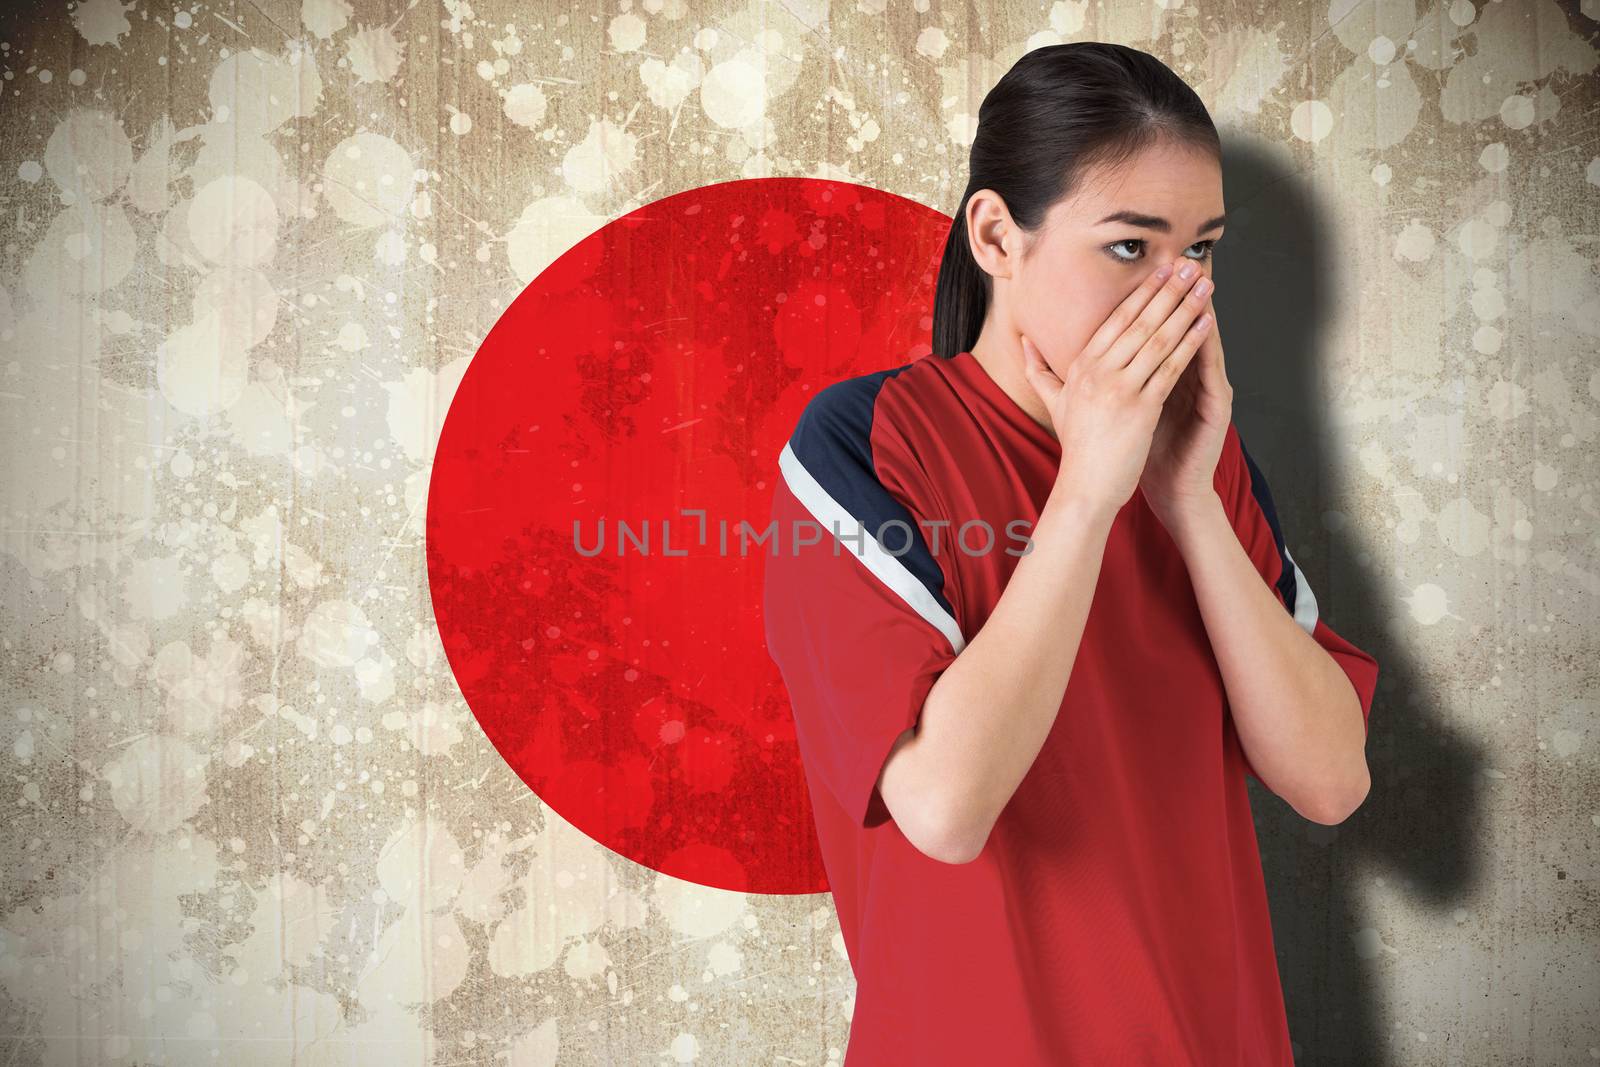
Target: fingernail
1186, 271
1164, 271
1203, 286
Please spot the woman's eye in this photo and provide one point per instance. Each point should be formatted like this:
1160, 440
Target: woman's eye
1111, 249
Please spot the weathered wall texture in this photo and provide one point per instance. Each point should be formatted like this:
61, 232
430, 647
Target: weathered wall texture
248, 251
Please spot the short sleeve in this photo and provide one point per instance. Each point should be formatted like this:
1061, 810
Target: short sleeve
854, 603
1250, 508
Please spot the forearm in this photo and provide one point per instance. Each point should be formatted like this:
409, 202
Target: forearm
1295, 710
986, 718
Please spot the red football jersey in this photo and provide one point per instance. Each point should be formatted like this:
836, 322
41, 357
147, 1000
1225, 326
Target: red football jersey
1117, 913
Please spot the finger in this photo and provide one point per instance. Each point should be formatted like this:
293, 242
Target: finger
1166, 374
1173, 298
1159, 345
1045, 381
1211, 353
1214, 339
1214, 374
1126, 312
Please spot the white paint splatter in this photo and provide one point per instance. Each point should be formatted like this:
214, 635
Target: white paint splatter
432, 729
604, 155
324, 18
1414, 243
1370, 944
88, 155
538, 1047
260, 421
525, 105
626, 32
198, 691
1429, 603
933, 41
1311, 120
101, 21
685, 1047
417, 405
201, 367
1517, 112
545, 230
669, 84
336, 633
374, 54
696, 910
565, 894
233, 221
88, 248
734, 93
157, 783
1068, 16
256, 92
368, 179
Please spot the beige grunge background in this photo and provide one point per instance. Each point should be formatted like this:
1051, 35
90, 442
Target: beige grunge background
249, 248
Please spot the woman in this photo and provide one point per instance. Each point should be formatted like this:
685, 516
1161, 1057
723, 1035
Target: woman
1050, 622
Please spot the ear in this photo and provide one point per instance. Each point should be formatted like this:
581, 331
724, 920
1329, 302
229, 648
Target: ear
996, 242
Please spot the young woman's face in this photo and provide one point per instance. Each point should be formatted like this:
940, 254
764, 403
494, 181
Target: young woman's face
1081, 263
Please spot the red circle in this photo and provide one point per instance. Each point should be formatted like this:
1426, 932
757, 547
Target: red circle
659, 365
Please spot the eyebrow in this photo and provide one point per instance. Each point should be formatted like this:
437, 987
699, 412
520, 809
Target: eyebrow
1156, 222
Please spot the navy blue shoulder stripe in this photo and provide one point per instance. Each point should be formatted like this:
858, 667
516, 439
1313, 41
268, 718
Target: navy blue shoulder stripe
1292, 584
828, 464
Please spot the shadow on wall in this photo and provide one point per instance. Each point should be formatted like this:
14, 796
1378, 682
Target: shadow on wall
1417, 827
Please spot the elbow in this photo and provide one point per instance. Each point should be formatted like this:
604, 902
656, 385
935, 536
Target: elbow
936, 818
952, 850
955, 838
1334, 806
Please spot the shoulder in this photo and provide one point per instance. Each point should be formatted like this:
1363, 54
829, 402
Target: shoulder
846, 466
847, 410
833, 439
